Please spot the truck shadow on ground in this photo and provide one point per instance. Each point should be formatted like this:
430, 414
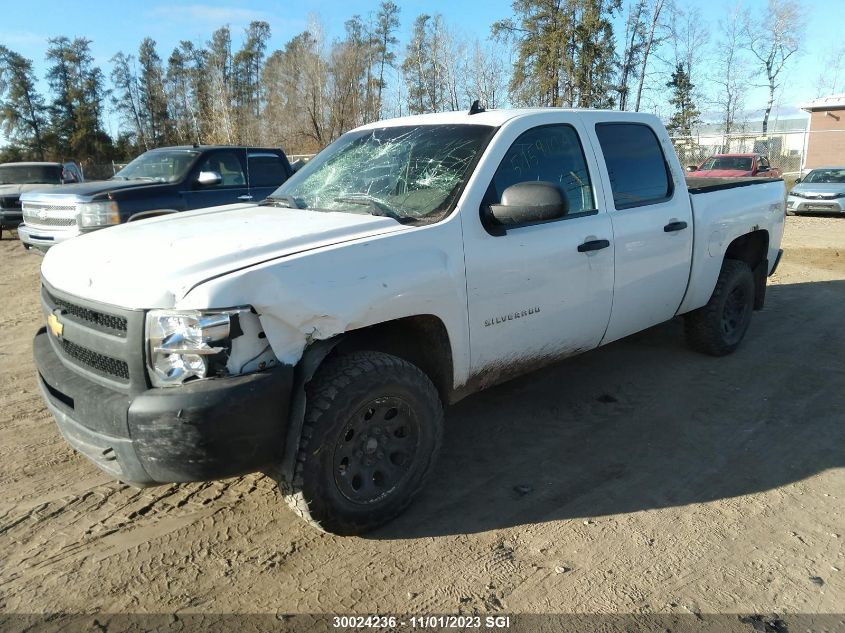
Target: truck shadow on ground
646, 423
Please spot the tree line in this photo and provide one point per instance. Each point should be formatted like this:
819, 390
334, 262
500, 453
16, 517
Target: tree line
306, 94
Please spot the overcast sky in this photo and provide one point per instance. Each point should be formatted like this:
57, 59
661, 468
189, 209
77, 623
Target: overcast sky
115, 26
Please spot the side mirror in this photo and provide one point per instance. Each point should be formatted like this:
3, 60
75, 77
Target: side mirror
297, 165
797, 180
209, 178
692, 168
527, 202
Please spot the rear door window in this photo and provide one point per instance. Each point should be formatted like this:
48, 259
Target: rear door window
227, 163
636, 165
266, 169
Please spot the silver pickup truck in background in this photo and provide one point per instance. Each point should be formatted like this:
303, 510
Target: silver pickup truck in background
18, 178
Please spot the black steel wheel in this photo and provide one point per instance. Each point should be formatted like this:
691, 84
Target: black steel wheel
719, 327
373, 427
374, 452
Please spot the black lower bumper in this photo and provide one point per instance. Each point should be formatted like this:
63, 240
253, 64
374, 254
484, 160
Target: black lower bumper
10, 218
777, 261
203, 430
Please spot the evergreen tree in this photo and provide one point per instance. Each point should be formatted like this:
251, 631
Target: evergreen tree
425, 66
247, 67
685, 117
384, 37
153, 99
23, 115
78, 94
565, 52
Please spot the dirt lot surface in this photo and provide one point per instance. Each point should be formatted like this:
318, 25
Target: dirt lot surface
640, 477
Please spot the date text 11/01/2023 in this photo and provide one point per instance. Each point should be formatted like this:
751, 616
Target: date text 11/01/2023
422, 622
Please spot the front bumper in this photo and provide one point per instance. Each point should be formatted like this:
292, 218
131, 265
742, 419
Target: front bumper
10, 218
43, 239
794, 204
203, 430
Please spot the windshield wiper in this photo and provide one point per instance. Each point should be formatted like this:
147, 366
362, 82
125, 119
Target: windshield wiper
377, 207
289, 202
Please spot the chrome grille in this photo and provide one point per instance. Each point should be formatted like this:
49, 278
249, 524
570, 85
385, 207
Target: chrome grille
49, 215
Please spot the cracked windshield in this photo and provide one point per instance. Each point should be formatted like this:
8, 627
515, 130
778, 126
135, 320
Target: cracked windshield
410, 173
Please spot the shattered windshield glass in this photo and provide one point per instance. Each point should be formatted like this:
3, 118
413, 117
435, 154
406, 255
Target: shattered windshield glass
412, 173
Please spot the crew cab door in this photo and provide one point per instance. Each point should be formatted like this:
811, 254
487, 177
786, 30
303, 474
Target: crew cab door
652, 226
267, 170
230, 164
533, 295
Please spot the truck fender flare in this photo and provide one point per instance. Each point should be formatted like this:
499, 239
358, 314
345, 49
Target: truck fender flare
312, 358
143, 215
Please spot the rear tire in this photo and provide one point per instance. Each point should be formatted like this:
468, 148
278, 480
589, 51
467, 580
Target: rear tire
719, 327
373, 427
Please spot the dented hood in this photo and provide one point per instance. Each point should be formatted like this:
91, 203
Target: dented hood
154, 263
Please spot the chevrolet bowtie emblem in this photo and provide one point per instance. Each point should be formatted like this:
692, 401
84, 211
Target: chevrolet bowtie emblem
55, 325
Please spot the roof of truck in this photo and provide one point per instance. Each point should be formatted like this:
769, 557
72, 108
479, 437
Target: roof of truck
207, 147
32, 163
493, 117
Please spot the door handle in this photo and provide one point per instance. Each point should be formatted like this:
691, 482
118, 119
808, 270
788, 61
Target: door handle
674, 226
593, 245
245, 197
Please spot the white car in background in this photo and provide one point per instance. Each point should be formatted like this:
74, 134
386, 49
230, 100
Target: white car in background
820, 191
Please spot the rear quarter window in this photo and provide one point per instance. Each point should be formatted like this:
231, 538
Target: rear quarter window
636, 165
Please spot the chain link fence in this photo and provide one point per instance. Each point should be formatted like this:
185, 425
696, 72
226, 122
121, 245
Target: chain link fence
785, 150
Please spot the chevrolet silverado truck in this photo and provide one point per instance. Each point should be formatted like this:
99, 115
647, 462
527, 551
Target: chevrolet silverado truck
158, 182
318, 336
18, 178
735, 166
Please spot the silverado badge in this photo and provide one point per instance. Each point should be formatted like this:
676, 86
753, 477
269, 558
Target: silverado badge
55, 325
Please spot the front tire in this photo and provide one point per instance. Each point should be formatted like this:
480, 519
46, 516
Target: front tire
373, 428
719, 327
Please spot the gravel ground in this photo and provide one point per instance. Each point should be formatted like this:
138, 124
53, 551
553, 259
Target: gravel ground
640, 477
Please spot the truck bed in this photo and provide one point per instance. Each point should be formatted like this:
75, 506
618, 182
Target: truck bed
703, 185
730, 207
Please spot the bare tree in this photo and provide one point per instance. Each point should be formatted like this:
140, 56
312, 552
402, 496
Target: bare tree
126, 97
773, 37
632, 56
830, 80
486, 78
731, 72
650, 41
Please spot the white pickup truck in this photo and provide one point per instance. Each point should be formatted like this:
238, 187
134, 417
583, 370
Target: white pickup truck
318, 335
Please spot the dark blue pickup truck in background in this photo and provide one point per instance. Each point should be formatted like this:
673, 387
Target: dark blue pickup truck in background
164, 180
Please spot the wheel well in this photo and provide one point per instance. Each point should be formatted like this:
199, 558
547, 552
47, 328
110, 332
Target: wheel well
421, 340
753, 248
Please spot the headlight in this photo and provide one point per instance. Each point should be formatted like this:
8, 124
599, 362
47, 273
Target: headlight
203, 344
94, 214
